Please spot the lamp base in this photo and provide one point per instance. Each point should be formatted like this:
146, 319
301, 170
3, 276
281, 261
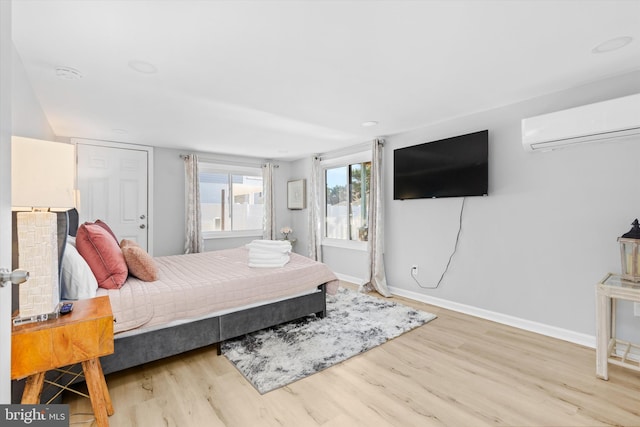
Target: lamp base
36, 318
38, 254
630, 278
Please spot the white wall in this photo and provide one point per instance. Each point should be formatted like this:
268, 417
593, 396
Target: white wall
537, 245
169, 202
28, 117
546, 234
350, 265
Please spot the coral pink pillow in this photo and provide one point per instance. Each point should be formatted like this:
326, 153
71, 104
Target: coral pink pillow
104, 225
103, 255
139, 262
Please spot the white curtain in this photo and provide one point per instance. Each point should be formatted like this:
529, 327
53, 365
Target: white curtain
315, 211
193, 224
269, 221
375, 244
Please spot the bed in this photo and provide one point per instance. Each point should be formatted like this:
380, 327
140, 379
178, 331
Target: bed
179, 312
204, 299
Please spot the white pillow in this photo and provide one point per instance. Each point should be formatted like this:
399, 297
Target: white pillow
78, 281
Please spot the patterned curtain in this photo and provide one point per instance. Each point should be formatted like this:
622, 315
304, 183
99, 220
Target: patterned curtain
315, 211
375, 244
193, 221
269, 221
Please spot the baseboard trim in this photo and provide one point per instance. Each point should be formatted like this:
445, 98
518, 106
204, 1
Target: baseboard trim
528, 325
350, 279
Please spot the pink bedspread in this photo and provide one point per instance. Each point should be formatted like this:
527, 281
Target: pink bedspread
192, 286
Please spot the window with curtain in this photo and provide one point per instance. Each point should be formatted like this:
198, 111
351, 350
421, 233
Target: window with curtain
231, 199
346, 199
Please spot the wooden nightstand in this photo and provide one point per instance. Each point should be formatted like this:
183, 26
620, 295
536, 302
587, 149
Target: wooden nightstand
81, 336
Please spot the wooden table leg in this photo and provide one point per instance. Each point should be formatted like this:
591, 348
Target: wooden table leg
603, 334
96, 391
33, 389
105, 390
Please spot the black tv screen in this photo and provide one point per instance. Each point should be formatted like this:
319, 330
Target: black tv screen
452, 167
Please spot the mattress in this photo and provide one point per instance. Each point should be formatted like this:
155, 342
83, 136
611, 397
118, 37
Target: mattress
194, 286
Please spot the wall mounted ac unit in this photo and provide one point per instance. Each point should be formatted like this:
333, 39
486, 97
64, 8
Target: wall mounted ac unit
601, 121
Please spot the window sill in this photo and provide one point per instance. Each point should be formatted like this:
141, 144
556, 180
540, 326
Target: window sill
345, 244
211, 235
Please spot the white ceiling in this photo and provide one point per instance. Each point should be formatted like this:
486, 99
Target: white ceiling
284, 79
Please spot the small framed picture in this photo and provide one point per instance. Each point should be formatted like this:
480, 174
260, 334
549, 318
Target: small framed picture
297, 194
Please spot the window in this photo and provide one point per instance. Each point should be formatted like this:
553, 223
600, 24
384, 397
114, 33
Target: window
347, 198
231, 200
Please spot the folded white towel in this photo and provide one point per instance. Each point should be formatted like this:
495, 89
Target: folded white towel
268, 242
255, 254
269, 264
271, 244
269, 253
280, 246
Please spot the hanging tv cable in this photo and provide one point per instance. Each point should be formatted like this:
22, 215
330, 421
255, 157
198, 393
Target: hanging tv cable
455, 248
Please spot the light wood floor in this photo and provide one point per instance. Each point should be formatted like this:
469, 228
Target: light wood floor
456, 370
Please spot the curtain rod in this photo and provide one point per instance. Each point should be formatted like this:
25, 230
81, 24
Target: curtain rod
352, 149
230, 162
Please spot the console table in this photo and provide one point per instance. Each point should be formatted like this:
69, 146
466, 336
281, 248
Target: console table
610, 349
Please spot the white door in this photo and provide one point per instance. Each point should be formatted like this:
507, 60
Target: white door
5, 263
5, 198
113, 185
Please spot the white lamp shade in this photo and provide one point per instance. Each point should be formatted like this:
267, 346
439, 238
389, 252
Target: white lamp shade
42, 173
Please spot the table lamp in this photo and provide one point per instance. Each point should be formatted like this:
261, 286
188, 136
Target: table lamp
629, 252
42, 179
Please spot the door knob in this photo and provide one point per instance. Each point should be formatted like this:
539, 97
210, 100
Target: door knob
16, 276
143, 226
143, 216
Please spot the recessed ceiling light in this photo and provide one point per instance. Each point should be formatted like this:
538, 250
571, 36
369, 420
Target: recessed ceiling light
68, 73
143, 67
369, 124
613, 44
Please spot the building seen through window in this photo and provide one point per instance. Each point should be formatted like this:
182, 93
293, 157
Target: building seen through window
231, 201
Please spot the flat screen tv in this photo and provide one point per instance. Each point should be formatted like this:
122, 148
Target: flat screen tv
452, 167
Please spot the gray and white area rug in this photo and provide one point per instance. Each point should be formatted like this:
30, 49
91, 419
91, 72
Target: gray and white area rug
355, 323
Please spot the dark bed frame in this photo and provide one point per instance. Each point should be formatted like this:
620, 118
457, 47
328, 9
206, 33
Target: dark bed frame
145, 347
135, 350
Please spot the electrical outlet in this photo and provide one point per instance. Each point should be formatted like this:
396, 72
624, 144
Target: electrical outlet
636, 309
414, 270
